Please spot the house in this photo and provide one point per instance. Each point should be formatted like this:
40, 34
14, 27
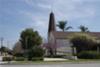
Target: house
58, 41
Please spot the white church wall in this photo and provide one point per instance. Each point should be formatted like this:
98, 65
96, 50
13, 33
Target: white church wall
63, 46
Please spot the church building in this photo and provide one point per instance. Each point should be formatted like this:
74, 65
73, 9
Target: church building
58, 42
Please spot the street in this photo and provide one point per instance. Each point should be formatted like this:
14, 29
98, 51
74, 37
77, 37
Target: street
55, 65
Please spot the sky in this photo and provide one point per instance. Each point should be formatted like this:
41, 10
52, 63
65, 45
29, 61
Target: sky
17, 15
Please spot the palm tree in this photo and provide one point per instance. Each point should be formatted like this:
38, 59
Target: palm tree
83, 28
62, 25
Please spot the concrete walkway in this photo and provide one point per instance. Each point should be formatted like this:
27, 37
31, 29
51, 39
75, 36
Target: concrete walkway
54, 59
1, 62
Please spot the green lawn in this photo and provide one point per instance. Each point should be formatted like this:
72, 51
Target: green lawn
57, 62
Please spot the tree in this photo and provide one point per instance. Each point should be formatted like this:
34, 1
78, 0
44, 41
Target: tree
18, 50
62, 25
3, 49
29, 38
83, 28
83, 42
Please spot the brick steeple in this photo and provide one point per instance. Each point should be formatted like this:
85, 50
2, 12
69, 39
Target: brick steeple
51, 23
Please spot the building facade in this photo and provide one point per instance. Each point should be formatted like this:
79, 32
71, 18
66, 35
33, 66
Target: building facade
58, 41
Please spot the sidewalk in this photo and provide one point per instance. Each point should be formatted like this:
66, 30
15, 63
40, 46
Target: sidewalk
54, 59
1, 62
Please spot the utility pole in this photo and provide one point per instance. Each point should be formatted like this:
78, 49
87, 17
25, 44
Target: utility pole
1, 39
7, 47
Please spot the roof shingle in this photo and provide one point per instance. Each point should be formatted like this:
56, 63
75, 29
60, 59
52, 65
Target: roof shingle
64, 35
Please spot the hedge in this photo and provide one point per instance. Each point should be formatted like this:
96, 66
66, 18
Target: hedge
37, 59
19, 59
7, 59
89, 55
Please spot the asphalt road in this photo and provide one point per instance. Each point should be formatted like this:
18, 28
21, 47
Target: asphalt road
55, 65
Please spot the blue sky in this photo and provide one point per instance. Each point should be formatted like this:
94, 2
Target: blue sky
16, 15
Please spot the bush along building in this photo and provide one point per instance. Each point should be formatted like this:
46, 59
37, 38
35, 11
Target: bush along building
59, 41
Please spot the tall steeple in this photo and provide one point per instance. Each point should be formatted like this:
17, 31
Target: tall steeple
51, 23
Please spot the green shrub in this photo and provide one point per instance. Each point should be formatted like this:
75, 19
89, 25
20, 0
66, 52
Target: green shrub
18, 55
89, 55
35, 52
19, 59
7, 58
56, 56
37, 59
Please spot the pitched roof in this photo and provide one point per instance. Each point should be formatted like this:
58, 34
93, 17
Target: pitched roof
64, 35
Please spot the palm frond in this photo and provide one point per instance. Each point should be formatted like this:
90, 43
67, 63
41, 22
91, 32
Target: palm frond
69, 27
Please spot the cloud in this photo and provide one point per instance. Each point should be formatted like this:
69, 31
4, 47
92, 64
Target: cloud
21, 14
79, 11
38, 22
29, 2
43, 6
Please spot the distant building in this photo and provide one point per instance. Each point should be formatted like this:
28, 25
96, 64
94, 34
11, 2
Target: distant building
4, 51
58, 42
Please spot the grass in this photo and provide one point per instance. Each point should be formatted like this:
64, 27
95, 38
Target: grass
57, 62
